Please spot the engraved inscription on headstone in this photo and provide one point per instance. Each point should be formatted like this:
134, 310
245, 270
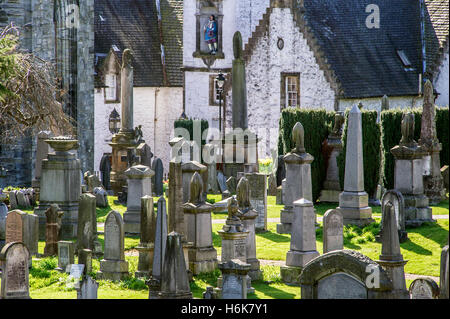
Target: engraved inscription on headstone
341, 286
14, 227
112, 250
232, 287
240, 248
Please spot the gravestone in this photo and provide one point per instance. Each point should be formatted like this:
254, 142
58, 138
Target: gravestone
333, 231
139, 184
279, 196
202, 254
52, 230
22, 227
445, 176
384, 103
105, 170
3, 213
234, 274
424, 288
231, 184
88, 289
189, 169
408, 178
160, 248
281, 170
174, 277
432, 180
258, 198
61, 184
22, 199
391, 258
248, 217
113, 266
221, 180
101, 197
176, 214
87, 224
298, 178
303, 241
397, 200
91, 181
331, 186
42, 149
147, 238
159, 172
212, 186
15, 277
344, 274
444, 274
85, 258
13, 200
76, 274
145, 154
354, 201
65, 255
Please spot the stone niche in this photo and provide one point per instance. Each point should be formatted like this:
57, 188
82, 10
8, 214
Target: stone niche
344, 274
206, 8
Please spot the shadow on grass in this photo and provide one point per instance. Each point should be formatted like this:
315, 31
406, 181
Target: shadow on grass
278, 238
431, 231
269, 290
443, 204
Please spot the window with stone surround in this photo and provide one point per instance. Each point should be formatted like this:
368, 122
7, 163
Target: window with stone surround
111, 88
290, 90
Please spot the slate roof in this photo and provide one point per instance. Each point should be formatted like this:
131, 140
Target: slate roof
364, 60
134, 24
436, 32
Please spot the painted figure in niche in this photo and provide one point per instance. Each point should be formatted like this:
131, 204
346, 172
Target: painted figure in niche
210, 30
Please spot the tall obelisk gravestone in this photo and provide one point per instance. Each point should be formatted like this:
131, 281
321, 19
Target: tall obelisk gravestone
354, 201
124, 140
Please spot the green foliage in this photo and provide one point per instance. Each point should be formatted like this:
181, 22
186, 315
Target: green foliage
133, 284
316, 123
188, 124
356, 235
8, 42
371, 151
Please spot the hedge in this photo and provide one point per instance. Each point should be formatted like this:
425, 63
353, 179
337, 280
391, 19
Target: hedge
188, 124
371, 151
317, 124
391, 134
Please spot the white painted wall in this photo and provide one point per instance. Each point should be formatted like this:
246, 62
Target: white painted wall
441, 83
375, 103
263, 74
169, 106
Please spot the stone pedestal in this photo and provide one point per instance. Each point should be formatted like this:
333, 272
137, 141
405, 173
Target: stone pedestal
139, 185
297, 185
147, 243
354, 201
235, 275
434, 182
303, 242
258, 198
42, 150
60, 184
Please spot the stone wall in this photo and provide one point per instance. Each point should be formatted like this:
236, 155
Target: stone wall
157, 123
441, 83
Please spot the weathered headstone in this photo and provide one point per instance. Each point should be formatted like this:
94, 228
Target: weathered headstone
91, 181
174, 277
15, 277
65, 255
248, 216
85, 258
303, 241
424, 288
258, 198
113, 266
105, 169
234, 274
212, 186
408, 175
445, 176
60, 183
159, 249
202, 254
189, 169
52, 230
391, 258
444, 274
159, 172
42, 150
22, 227
147, 236
344, 274
13, 200
432, 180
87, 224
145, 153
76, 272
221, 180
298, 178
101, 197
281, 170
22, 199
139, 184
354, 201
231, 184
88, 289
333, 231
397, 200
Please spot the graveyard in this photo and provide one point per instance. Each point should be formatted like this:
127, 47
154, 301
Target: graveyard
137, 163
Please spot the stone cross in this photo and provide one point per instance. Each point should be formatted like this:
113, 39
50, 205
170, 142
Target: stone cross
53, 230
113, 266
333, 231
303, 241
174, 277
15, 277
391, 258
354, 201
